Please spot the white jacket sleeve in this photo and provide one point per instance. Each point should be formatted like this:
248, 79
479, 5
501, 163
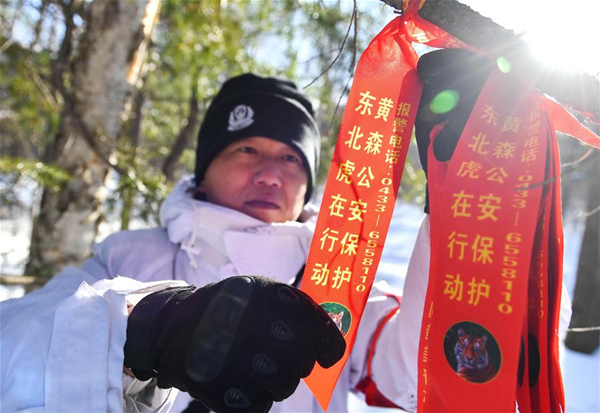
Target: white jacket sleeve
62, 347
399, 340
393, 367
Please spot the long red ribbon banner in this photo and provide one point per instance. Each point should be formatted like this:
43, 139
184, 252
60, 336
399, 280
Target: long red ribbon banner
496, 265
361, 188
490, 288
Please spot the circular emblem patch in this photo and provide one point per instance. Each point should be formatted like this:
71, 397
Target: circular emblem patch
472, 352
240, 117
340, 315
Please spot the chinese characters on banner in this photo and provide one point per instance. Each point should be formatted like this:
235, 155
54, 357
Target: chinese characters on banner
539, 340
485, 209
361, 189
503, 232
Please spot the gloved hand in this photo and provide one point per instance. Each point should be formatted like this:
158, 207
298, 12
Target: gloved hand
237, 345
452, 80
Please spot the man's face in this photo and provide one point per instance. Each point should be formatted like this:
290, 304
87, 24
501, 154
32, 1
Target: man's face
260, 177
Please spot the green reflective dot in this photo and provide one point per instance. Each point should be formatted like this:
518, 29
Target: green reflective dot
503, 65
444, 101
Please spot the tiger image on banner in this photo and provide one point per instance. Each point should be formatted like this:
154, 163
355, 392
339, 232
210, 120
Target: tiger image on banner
340, 315
473, 359
472, 352
337, 319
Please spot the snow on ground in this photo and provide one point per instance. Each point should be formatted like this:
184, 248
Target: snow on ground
581, 373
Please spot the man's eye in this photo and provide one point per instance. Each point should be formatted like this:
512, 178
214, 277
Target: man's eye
247, 149
291, 158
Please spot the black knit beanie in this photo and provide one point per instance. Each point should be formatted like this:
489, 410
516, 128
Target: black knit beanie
250, 105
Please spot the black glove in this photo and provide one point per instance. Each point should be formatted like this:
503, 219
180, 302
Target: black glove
459, 74
237, 345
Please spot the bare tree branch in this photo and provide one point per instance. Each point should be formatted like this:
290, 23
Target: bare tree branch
41, 85
318, 56
337, 106
355, 51
38, 25
578, 161
582, 329
59, 65
186, 134
585, 215
352, 20
135, 134
26, 280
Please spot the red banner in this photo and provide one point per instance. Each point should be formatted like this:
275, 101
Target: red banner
491, 314
361, 188
490, 212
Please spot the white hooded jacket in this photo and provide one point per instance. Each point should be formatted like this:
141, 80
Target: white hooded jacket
71, 356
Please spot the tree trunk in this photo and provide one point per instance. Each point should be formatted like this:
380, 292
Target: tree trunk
186, 134
586, 304
134, 136
107, 67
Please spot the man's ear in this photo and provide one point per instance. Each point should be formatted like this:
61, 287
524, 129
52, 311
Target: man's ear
200, 193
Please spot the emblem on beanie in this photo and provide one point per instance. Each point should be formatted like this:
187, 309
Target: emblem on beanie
240, 117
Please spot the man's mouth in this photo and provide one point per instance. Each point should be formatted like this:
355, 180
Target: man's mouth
262, 204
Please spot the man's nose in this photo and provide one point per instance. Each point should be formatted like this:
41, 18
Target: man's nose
268, 173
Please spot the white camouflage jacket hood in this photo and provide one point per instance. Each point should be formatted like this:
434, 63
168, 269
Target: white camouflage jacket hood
229, 242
